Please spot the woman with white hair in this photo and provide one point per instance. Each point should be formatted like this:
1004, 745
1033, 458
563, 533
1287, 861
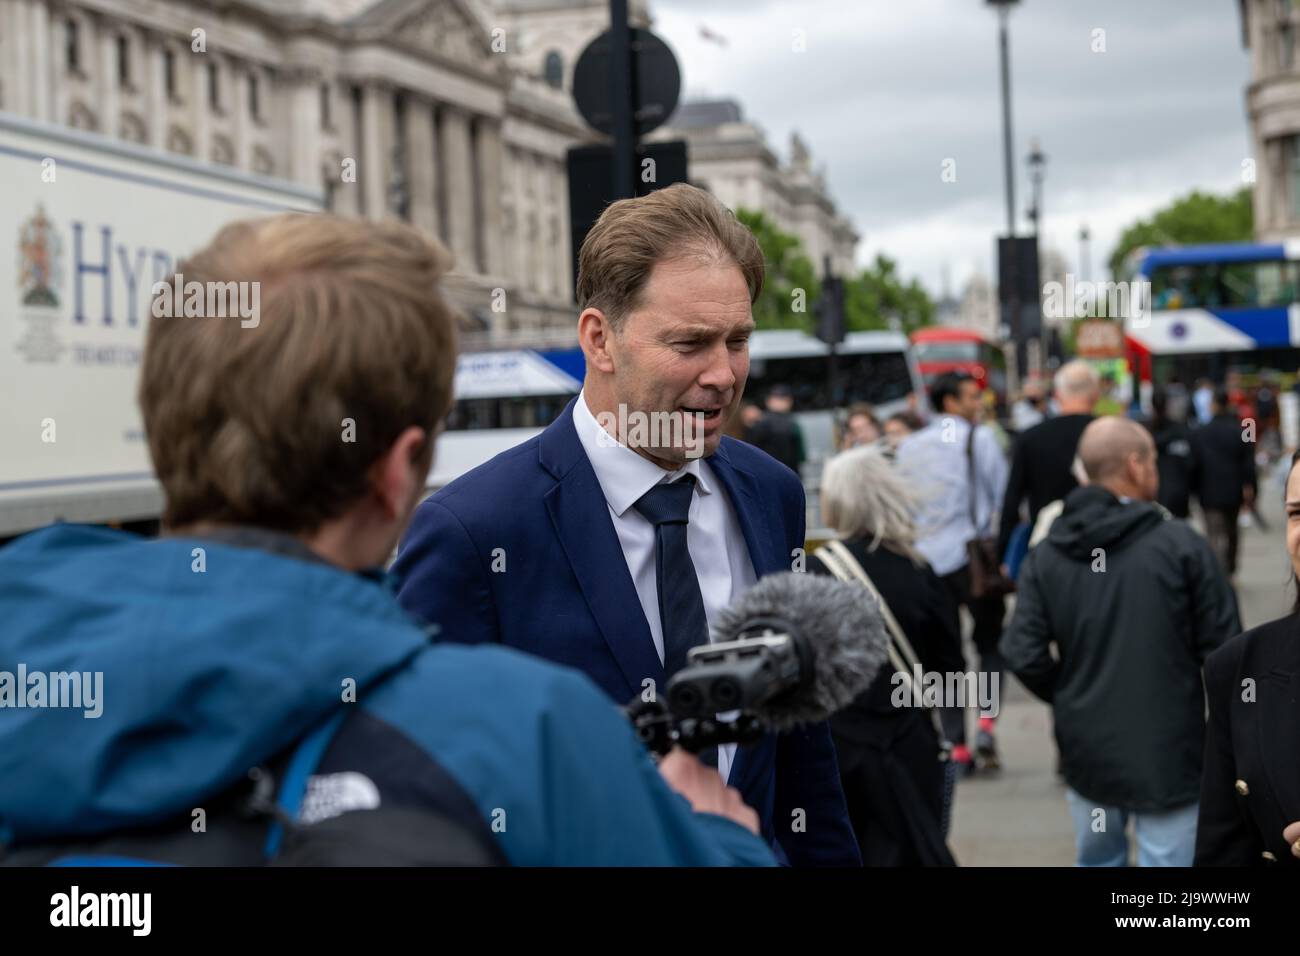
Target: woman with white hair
890, 757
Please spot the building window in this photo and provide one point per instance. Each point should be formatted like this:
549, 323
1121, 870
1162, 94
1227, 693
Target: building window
554, 71
254, 101
123, 61
169, 73
325, 120
72, 46
214, 88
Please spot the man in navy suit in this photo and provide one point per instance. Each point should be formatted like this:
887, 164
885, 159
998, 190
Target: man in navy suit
609, 542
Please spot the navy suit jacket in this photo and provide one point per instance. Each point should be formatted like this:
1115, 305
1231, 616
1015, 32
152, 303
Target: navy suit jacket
522, 551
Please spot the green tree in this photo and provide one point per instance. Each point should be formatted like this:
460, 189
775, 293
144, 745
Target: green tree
1197, 217
878, 294
790, 287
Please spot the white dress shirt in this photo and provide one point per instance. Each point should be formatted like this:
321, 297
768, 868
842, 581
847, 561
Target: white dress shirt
713, 534
934, 465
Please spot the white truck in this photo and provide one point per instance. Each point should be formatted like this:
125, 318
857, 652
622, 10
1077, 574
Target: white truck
87, 226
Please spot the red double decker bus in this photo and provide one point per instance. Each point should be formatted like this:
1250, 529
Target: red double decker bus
942, 349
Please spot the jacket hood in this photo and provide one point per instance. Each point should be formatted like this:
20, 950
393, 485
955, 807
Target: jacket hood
190, 668
1095, 518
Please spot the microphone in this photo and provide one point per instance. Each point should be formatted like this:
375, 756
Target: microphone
793, 650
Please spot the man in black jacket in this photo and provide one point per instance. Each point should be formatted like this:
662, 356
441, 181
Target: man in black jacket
1225, 454
1041, 460
1175, 457
777, 433
1134, 602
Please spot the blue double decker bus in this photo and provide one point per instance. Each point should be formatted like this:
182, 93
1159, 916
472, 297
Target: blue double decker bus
1215, 308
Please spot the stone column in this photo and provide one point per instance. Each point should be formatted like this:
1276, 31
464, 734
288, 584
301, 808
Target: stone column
14, 59
513, 266
237, 107
200, 115
42, 72
421, 164
372, 164
457, 163
155, 86
303, 143
491, 183
545, 226
564, 254
534, 217
106, 77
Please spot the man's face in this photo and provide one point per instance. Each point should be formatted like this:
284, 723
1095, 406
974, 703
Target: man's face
966, 403
859, 430
685, 349
896, 431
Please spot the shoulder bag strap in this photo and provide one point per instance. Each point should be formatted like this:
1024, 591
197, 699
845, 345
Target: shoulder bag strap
841, 563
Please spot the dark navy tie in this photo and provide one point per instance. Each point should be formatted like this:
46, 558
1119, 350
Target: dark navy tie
681, 605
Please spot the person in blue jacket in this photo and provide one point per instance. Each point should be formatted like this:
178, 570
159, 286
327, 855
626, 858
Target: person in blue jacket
141, 679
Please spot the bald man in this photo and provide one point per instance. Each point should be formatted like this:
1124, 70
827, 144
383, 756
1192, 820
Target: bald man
1134, 602
1041, 458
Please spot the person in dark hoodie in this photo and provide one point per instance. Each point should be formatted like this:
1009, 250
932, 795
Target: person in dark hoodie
258, 642
1134, 602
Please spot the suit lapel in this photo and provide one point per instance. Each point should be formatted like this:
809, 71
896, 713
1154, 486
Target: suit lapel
763, 538
581, 519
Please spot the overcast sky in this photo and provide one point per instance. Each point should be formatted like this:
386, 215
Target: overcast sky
888, 90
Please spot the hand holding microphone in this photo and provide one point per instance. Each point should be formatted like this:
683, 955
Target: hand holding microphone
704, 789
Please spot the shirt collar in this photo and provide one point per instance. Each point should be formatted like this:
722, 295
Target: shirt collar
624, 475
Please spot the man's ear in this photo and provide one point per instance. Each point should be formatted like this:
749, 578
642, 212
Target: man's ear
400, 474
594, 335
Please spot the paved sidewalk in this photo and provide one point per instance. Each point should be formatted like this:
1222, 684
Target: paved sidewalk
1019, 817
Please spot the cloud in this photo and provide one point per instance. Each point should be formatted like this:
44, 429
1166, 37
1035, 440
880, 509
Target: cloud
885, 92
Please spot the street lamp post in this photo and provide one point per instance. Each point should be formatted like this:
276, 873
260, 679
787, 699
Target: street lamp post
1084, 265
1037, 162
1013, 292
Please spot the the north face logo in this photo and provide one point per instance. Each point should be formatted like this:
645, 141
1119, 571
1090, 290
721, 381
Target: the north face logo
329, 795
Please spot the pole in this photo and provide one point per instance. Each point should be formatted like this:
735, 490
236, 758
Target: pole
620, 75
832, 361
1037, 163
1013, 300
1004, 13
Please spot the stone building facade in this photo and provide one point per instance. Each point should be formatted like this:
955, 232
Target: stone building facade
408, 107
1270, 30
453, 114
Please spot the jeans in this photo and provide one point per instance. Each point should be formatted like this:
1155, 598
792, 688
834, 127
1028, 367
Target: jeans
1163, 839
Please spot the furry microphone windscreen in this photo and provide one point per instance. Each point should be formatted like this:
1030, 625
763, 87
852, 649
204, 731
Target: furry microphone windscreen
838, 621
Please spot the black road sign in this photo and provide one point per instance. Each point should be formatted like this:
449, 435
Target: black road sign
656, 82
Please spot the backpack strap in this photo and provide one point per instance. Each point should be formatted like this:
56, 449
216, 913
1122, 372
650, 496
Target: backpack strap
293, 786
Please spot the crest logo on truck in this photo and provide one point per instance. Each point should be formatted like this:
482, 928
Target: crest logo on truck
40, 261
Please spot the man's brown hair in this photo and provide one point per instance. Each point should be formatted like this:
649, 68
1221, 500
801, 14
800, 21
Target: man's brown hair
278, 424
632, 235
